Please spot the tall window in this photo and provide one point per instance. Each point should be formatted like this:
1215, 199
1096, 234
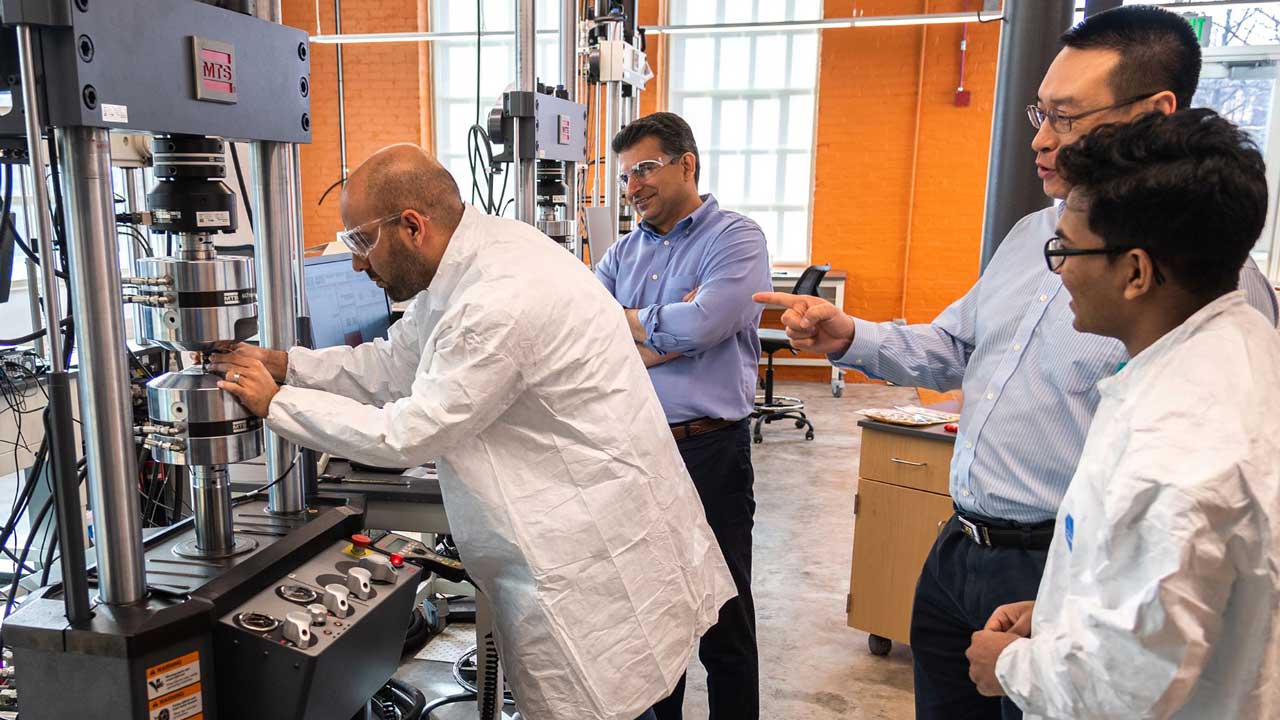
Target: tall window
750, 100
454, 71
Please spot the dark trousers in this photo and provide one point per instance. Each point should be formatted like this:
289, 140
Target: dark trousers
961, 584
720, 463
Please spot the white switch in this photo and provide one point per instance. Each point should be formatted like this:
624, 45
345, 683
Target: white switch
335, 599
358, 583
297, 628
379, 567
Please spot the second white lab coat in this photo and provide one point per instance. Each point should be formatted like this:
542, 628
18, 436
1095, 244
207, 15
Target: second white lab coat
565, 492
1162, 588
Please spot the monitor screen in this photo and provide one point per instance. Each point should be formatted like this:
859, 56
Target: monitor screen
346, 307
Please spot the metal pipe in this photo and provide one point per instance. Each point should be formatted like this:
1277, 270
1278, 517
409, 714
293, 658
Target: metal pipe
273, 243
33, 270
273, 255
568, 78
307, 458
211, 506
612, 124
342, 97
526, 81
61, 433
1028, 44
1093, 7
105, 402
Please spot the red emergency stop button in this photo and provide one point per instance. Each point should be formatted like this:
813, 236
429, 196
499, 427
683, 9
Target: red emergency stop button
361, 542
397, 560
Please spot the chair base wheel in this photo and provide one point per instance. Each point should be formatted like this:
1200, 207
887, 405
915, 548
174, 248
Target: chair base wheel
879, 646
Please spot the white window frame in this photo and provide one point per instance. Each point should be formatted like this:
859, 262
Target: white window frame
710, 150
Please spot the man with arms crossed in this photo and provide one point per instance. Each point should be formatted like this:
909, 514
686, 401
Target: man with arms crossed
1159, 598
1028, 377
685, 278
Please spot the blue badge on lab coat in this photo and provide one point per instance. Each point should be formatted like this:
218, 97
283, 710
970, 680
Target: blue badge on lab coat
1070, 531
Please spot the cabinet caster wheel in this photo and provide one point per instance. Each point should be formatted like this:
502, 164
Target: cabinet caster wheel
808, 435
879, 646
799, 424
757, 439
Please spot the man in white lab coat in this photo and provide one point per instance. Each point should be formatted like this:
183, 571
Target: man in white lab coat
1160, 595
565, 492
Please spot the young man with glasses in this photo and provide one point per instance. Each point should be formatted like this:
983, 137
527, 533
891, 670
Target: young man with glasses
685, 277
515, 370
1028, 377
1159, 596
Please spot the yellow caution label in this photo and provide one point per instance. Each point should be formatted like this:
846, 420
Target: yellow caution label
175, 674
185, 704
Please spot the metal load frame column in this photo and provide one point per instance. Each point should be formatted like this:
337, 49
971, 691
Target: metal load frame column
105, 402
526, 79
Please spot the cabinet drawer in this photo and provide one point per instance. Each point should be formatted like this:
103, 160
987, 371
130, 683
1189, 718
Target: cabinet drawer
906, 461
894, 529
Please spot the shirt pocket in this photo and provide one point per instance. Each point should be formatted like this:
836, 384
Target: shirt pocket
676, 287
1074, 361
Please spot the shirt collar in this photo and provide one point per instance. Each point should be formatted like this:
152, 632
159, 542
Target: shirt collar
709, 205
457, 254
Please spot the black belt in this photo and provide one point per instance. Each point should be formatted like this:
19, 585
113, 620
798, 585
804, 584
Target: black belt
1029, 537
688, 429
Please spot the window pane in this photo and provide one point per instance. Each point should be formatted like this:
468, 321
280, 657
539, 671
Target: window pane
796, 190
697, 112
695, 12
736, 11
772, 11
735, 63
791, 245
699, 59
772, 67
768, 221
804, 59
807, 10
763, 183
800, 122
733, 125
764, 124
729, 179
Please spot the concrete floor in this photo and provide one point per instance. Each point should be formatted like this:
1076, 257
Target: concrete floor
813, 667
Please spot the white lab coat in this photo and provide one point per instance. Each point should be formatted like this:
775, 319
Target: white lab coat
1162, 587
565, 492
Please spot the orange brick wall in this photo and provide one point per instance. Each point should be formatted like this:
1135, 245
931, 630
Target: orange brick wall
386, 98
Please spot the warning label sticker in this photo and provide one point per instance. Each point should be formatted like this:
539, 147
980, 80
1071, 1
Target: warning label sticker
169, 676
181, 705
215, 218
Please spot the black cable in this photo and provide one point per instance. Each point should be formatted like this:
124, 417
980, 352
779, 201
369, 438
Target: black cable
244, 190
283, 475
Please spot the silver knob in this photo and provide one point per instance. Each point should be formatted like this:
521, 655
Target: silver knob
379, 567
358, 583
297, 628
319, 613
335, 599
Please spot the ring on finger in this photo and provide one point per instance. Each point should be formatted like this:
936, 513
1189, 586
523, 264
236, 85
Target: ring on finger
235, 378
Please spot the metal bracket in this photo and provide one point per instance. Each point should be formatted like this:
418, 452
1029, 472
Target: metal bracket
46, 13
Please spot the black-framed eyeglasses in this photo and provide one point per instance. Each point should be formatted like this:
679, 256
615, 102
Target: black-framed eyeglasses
1055, 254
1063, 123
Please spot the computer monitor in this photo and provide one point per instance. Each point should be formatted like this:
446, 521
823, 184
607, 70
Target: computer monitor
346, 307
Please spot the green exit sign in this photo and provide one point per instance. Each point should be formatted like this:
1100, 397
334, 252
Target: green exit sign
1202, 24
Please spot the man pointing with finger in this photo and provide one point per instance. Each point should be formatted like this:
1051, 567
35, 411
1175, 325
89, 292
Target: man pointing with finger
1028, 377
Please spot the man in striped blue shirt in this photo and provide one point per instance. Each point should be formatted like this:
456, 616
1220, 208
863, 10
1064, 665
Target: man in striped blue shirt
1028, 377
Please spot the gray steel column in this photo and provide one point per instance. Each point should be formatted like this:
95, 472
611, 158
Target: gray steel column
569, 78
211, 506
1028, 44
1093, 7
33, 270
273, 244
612, 124
105, 403
526, 81
274, 239
135, 203
342, 92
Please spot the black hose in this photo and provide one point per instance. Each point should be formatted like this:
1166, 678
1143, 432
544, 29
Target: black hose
447, 700
244, 190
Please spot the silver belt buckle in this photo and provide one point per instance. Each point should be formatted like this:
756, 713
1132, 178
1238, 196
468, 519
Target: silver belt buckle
975, 533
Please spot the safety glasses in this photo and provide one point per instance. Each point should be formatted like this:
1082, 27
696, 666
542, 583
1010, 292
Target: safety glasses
642, 170
361, 239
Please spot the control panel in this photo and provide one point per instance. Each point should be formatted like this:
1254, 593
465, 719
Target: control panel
400, 549
320, 640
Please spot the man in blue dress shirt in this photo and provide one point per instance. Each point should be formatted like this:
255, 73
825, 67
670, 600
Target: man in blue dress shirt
685, 278
1028, 377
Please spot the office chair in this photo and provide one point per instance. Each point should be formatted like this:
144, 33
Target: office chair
770, 407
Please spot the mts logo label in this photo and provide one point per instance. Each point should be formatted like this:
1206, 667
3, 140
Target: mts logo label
215, 70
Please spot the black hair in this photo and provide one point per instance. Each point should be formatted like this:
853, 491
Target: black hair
1158, 50
1189, 188
673, 133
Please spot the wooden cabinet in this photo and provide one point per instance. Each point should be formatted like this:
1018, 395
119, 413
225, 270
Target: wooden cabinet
902, 504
